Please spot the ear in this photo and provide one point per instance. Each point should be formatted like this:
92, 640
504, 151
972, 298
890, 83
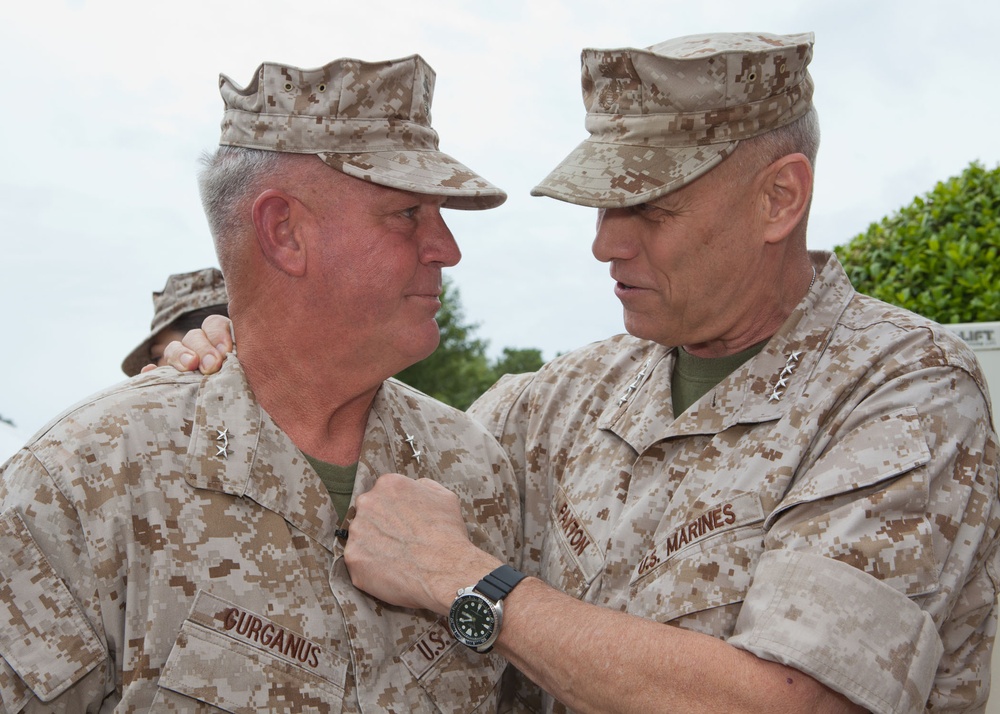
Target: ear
787, 192
276, 221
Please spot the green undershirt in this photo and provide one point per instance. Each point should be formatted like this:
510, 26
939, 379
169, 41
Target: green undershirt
339, 482
694, 377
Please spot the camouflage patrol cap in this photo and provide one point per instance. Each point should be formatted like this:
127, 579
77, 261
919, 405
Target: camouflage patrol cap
661, 117
370, 120
183, 293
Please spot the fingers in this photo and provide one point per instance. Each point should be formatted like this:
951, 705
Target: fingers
219, 332
180, 357
203, 348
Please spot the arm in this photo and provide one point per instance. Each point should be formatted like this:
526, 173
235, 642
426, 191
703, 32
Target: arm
408, 547
52, 655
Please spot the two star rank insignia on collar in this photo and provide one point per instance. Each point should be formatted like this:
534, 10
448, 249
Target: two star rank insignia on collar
223, 443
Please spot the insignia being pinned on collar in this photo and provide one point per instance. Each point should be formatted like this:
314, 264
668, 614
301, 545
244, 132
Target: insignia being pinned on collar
223, 439
416, 454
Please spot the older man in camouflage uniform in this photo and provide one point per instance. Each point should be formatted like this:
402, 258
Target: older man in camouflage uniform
800, 479
167, 545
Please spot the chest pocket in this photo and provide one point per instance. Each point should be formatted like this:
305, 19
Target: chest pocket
230, 660
706, 561
571, 559
452, 676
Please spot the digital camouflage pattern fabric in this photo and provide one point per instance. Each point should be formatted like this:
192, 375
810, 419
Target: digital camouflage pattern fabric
661, 117
831, 505
163, 544
370, 120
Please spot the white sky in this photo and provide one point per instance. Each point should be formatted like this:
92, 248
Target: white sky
108, 105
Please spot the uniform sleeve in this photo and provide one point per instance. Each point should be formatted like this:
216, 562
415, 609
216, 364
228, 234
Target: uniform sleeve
503, 410
499, 409
879, 571
51, 656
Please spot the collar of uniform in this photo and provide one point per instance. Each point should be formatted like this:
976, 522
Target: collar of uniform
746, 395
259, 461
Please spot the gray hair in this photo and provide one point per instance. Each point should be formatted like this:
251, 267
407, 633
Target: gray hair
228, 176
801, 136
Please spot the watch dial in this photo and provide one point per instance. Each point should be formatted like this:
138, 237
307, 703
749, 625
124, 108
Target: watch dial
473, 620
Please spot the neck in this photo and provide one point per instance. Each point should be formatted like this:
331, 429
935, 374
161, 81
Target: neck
322, 409
765, 316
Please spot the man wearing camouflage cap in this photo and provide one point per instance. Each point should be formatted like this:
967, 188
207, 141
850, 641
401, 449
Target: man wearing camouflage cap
183, 304
167, 544
801, 479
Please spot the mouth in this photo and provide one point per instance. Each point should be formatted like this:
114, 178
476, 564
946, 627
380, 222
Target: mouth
622, 285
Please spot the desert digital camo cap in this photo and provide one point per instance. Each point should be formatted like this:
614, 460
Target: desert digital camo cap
370, 120
661, 117
183, 293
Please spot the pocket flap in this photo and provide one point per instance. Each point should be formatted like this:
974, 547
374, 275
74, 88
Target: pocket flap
45, 638
210, 665
888, 447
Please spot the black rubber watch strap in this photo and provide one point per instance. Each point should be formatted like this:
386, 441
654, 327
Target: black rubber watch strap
498, 584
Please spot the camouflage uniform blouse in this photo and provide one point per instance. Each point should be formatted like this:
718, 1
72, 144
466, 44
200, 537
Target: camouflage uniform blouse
164, 544
832, 505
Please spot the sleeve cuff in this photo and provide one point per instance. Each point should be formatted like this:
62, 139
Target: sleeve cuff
842, 627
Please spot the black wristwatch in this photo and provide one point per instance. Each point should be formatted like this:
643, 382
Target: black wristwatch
477, 613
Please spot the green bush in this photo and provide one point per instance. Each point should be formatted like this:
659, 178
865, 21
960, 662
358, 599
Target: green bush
937, 256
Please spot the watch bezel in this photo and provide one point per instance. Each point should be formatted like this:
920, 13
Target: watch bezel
479, 644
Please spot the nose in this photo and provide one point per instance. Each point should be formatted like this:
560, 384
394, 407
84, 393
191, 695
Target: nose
438, 244
611, 241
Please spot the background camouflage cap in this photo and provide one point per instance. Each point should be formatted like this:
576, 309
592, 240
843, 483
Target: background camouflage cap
661, 117
370, 120
183, 293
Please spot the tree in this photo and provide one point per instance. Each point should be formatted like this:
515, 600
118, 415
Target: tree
458, 371
937, 256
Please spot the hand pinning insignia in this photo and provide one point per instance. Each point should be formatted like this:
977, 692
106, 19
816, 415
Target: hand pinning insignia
223, 448
636, 383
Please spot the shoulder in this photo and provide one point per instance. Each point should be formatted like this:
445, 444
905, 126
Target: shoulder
440, 421
578, 381
127, 417
603, 366
893, 331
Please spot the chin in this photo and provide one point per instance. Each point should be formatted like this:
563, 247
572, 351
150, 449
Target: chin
422, 343
644, 331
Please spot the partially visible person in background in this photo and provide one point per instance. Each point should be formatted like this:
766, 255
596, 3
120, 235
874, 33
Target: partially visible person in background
183, 304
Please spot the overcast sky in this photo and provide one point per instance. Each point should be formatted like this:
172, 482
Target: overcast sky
109, 104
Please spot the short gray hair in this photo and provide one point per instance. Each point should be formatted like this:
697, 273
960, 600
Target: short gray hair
801, 136
228, 176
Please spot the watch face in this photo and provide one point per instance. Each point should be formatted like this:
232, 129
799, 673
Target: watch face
472, 620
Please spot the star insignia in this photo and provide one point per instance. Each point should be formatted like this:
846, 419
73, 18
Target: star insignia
223, 448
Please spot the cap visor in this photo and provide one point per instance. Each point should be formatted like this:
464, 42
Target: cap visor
426, 172
606, 175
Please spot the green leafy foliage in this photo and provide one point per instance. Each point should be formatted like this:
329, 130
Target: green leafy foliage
459, 371
937, 256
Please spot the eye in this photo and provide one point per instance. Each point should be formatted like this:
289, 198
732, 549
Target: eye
652, 212
643, 209
410, 212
